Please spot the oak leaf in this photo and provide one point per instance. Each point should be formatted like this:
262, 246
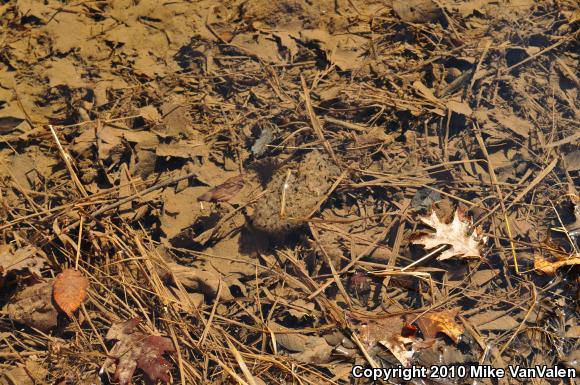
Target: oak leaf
26, 258
70, 290
135, 349
440, 322
463, 243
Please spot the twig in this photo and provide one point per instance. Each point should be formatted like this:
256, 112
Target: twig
66, 158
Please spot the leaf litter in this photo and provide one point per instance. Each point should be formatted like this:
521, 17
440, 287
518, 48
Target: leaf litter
263, 185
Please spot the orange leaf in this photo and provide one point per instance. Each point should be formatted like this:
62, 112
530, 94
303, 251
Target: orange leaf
440, 322
547, 267
70, 290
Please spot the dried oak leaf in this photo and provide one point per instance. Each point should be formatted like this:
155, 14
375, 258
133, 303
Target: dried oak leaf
138, 350
440, 322
456, 234
27, 257
70, 290
225, 191
543, 265
34, 307
392, 333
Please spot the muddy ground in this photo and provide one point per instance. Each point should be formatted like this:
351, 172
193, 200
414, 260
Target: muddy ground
271, 192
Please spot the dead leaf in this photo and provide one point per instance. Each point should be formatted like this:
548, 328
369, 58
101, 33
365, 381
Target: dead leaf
389, 333
416, 11
547, 267
440, 322
64, 72
30, 373
34, 307
150, 113
518, 125
27, 257
455, 234
461, 108
176, 120
305, 348
493, 320
225, 191
70, 290
183, 149
206, 280
135, 349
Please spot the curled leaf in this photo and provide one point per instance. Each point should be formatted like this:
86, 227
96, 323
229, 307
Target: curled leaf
225, 191
70, 290
547, 267
440, 322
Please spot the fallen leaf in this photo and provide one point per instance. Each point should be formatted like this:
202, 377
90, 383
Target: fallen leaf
135, 349
463, 244
225, 191
389, 332
34, 307
518, 125
305, 348
70, 290
30, 373
183, 149
547, 267
440, 322
461, 108
493, 320
416, 11
26, 258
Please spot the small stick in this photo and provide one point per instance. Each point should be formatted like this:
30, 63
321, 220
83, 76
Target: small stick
283, 200
79, 243
134, 196
66, 158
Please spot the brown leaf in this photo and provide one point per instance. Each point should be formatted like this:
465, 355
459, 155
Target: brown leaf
30, 373
28, 257
138, 350
416, 11
225, 191
70, 290
463, 244
440, 322
33, 307
547, 267
390, 332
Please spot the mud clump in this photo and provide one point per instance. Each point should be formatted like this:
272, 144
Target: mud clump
306, 183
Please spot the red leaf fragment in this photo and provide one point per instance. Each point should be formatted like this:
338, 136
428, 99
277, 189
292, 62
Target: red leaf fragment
70, 290
138, 350
225, 191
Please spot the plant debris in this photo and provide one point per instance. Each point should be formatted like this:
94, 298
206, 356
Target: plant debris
272, 192
135, 350
70, 290
464, 242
